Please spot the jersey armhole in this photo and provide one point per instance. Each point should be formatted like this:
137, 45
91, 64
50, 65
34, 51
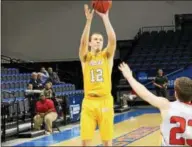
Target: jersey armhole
105, 53
164, 112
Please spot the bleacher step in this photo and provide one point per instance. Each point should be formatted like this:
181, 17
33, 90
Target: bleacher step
22, 127
31, 134
14, 123
122, 109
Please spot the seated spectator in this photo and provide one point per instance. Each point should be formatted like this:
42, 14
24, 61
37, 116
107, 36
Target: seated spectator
31, 91
44, 72
53, 77
39, 80
34, 81
44, 75
32, 96
48, 92
45, 111
29, 87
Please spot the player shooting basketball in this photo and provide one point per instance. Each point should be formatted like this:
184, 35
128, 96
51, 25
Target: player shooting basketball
176, 128
97, 106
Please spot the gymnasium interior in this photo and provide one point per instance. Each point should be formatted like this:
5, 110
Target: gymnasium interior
151, 35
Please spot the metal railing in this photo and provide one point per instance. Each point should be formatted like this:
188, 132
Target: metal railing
23, 64
157, 28
169, 74
6, 59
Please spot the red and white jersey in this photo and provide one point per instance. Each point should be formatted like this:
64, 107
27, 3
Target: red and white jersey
176, 128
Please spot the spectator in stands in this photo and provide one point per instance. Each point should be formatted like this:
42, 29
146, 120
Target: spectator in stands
33, 81
39, 80
53, 77
44, 75
43, 70
43, 78
48, 91
29, 87
32, 97
45, 111
160, 84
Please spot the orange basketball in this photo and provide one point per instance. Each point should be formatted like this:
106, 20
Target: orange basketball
101, 6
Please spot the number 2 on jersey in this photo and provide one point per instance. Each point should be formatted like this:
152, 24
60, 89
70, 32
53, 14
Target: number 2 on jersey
174, 140
97, 75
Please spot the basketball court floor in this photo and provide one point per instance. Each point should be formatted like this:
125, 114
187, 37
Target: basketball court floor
138, 127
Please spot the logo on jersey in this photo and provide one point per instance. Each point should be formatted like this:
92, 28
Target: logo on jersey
94, 62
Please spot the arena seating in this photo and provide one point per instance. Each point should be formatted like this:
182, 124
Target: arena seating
162, 49
17, 116
154, 48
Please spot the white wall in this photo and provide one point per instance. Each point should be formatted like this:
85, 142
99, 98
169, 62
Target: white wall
51, 30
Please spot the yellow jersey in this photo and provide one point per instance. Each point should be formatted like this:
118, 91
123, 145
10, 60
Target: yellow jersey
97, 75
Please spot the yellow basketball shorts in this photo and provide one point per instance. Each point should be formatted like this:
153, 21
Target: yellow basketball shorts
97, 111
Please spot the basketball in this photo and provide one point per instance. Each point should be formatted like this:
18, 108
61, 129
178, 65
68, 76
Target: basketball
101, 6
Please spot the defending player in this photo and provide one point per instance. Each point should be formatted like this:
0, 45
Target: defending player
176, 127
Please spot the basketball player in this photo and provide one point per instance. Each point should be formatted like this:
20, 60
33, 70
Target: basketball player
97, 106
176, 127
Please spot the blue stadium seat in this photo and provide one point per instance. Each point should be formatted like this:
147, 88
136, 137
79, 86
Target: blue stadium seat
12, 85
25, 76
21, 84
2, 85
6, 95
5, 71
13, 77
6, 85
17, 93
21, 93
17, 77
9, 71
17, 71
17, 85
73, 87
60, 88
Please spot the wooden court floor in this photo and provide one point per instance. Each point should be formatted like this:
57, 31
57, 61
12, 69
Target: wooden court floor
138, 127
139, 131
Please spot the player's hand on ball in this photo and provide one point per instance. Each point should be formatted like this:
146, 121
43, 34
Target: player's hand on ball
88, 12
126, 71
102, 15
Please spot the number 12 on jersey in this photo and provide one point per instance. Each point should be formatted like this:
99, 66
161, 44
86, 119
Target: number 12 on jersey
96, 75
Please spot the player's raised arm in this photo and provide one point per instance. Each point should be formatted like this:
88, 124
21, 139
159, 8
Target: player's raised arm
111, 46
83, 49
159, 102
